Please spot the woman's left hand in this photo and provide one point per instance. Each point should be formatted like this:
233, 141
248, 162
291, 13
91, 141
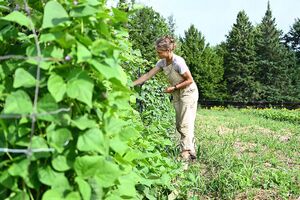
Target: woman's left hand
170, 89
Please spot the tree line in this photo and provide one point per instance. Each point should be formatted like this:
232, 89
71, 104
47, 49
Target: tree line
254, 63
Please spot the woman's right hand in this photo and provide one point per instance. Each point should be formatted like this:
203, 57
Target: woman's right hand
170, 89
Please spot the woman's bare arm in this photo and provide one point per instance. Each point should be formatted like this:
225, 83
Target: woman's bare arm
146, 76
188, 79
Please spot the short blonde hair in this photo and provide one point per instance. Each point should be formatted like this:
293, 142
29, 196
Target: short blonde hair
165, 43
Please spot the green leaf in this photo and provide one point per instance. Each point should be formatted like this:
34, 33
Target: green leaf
59, 138
86, 41
118, 146
23, 79
83, 53
48, 37
60, 163
109, 172
88, 166
54, 14
64, 39
129, 133
31, 180
18, 102
67, 41
84, 188
133, 154
113, 127
120, 16
94, 2
20, 195
81, 87
54, 179
47, 104
22, 131
114, 195
73, 196
2, 88
19, 168
93, 140
37, 143
97, 189
52, 194
4, 7
105, 70
165, 179
57, 87
101, 45
105, 31
127, 185
84, 122
19, 18
83, 11
110, 72
8, 181
53, 52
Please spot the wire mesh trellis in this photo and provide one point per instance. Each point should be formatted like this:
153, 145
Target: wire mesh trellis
34, 115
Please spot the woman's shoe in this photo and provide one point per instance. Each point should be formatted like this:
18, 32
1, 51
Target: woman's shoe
185, 155
193, 156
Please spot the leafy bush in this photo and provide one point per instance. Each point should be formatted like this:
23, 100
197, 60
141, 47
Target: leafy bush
292, 116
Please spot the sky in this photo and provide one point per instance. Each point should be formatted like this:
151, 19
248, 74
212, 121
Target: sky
215, 18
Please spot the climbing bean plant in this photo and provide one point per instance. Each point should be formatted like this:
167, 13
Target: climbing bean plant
102, 150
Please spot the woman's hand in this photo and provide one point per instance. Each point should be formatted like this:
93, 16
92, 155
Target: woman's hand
170, 89
146, 76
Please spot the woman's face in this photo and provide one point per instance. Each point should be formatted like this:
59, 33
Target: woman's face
163, 54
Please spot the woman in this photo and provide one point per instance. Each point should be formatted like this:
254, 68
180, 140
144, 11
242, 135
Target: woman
183, 89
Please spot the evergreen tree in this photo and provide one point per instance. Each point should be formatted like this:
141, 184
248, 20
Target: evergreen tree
239, 60
205, 65
172, 25
275, 64
145, 27
292, 38
292, 41
125, 5
221, 51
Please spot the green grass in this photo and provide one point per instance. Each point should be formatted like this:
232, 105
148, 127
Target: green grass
242, 155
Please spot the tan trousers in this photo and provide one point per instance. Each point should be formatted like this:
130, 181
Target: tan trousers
186, 108
185, 103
